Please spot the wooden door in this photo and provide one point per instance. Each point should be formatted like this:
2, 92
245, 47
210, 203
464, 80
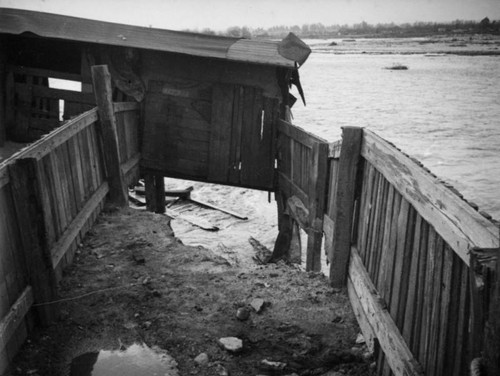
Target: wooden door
241, 150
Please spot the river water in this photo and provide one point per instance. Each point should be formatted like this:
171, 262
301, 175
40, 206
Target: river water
444, 110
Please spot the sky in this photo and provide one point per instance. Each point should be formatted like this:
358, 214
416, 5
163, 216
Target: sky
221, 14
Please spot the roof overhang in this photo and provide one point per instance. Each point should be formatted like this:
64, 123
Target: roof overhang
291, 52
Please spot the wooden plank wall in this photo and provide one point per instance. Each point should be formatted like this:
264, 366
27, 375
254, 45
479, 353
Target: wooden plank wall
302, 177
72, 184
423, 282
411, 238
210, 120
33, 108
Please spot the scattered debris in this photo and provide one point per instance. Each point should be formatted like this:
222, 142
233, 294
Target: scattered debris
397, 67
242, 313
138, 257
262, 253
202, 359
258, 304
272, 366
231, 344
360, 339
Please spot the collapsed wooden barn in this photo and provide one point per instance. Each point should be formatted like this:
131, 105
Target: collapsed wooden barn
191, 106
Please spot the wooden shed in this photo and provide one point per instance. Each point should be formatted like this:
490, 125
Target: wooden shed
208, 103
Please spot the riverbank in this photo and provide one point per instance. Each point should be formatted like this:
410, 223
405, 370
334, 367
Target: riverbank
133, 281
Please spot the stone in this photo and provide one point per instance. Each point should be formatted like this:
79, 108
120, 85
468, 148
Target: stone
221, 370
231, 344
257, 304
242, 314
202, 359
272, 366
360, 339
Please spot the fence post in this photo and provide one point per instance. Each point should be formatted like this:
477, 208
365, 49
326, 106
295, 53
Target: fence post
317, 197
155, 193
101, 79
346, 186
30, 218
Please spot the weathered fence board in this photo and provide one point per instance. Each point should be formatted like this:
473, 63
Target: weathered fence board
455, 220
302, 173
65, 171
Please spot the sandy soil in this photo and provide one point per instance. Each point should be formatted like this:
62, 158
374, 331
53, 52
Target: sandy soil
133, 281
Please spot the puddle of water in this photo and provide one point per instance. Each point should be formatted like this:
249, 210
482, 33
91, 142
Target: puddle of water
136, 360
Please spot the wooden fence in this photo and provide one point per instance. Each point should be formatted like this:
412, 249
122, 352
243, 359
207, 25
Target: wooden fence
411, 252
302, 172
33, 108
50, 195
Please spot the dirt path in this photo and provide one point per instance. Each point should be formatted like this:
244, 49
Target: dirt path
134, 282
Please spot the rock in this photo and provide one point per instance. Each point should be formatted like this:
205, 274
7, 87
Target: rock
360, 339
242, 314
202, 359
231, 344
257, 304
138, 257
221, 370
272, 366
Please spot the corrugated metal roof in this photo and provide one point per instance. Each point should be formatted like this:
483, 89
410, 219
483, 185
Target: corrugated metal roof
17, 21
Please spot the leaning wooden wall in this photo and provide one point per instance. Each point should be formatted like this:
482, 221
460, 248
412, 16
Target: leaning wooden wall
50, 195
412, 275
209, 120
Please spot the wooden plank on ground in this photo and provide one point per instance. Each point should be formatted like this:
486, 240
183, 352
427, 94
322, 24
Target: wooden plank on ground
398, 355
63, 244
349, 160
455, 220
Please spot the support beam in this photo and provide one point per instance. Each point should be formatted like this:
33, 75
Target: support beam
155, 193
346, 186
101, 79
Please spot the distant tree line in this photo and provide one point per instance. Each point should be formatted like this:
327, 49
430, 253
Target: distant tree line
318, 30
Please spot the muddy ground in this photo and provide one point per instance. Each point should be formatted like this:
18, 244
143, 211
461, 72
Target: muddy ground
133, 281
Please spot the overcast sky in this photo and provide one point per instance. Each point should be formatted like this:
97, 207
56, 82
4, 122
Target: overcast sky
220, 14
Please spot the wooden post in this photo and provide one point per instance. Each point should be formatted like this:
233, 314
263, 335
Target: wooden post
25, 180
155, 193
318, 175
348, 168
101, 79
283, 241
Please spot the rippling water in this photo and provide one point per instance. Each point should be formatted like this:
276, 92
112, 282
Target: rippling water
444, 110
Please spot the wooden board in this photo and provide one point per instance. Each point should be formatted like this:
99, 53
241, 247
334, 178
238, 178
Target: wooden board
456, 221
397, 353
